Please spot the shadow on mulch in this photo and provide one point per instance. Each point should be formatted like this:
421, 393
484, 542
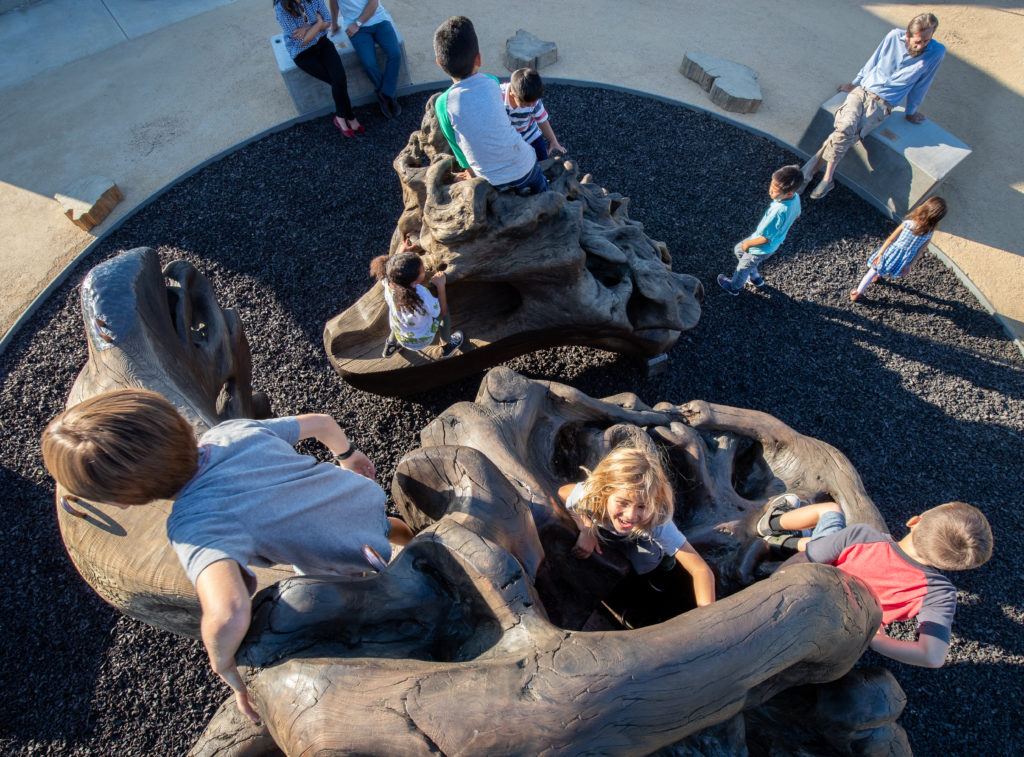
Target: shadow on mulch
917, 385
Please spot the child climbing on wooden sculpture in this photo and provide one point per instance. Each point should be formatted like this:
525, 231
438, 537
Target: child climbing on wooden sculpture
898, 253
903, 575
414, 314
627, 502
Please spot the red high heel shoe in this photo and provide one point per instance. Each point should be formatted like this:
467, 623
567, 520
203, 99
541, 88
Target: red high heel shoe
360, 129
345, 131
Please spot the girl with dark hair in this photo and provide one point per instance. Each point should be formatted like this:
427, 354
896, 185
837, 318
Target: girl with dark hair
901, 249
414, 314
305, 24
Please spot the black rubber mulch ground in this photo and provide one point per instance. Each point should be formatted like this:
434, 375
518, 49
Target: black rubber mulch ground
918, 386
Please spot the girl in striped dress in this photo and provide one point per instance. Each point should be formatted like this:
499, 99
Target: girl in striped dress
902, 247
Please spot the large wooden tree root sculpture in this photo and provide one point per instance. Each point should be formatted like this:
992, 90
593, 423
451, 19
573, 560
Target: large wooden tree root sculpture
453, 650
567, 266
161, 330
450, 651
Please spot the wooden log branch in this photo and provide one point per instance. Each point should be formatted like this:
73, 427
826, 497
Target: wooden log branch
487, 645
523, 273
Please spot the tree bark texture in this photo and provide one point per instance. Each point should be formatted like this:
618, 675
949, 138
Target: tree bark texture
567, 266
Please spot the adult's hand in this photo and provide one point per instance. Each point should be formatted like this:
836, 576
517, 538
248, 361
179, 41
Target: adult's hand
352, 30
846, 87
916, 118
359, 463
334, 27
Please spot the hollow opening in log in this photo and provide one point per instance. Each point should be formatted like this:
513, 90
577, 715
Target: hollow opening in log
750, 474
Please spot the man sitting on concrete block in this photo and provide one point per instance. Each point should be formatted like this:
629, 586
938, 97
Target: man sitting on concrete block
367, 24
902, 67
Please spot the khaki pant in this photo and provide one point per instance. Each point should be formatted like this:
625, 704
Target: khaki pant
861, 114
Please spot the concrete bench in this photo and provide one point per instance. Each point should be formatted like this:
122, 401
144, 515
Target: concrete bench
898, 164
310, 94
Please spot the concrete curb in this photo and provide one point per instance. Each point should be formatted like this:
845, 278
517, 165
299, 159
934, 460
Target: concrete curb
61, 277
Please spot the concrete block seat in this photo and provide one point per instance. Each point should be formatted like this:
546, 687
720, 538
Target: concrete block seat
897, 165
311, 95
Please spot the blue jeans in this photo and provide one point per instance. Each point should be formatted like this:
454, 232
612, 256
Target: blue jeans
829, 523
540, 146
746, 268
531, 184
383, 34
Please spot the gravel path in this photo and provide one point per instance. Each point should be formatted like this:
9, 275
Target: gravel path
918, 386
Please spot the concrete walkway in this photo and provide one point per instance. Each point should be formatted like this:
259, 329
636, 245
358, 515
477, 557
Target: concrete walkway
152, 106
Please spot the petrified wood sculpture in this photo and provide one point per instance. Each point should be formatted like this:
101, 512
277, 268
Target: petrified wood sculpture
566, 266
452, 648
160, 330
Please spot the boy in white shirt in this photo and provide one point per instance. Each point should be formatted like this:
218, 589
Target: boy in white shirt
472, 115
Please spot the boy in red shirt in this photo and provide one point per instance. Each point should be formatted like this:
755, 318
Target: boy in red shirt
903, 576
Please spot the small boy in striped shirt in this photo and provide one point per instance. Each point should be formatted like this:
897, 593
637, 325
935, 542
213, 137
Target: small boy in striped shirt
522, 95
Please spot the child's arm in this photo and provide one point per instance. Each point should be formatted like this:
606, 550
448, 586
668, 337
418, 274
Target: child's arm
703, 578
927, 652
885, 245
439, 280
549, 135
227, 610
586, 543
746, 244
326, 430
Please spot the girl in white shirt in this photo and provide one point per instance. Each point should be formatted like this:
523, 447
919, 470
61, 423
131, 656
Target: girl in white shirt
416, 317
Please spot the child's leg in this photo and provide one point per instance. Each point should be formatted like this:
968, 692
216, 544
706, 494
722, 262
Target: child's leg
807, 516
868, 280
540, 146
444, 327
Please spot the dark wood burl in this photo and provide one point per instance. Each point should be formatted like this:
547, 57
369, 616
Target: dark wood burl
471, 641
563, 267
158, 329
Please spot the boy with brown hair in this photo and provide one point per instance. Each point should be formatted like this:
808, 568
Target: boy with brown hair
245, 497
471, 115
770, 233
903, 576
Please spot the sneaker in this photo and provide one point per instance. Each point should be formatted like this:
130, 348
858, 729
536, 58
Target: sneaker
757, 280
854, 295
453, 344
391, 346
394, 107
822, 189
776, 506
726, 283
374, 559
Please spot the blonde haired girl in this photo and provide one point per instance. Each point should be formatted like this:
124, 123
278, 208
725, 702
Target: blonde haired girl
627, 500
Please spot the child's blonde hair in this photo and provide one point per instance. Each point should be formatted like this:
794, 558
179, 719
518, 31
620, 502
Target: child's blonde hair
628, 468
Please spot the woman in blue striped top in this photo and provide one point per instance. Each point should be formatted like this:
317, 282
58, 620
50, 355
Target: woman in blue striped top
902, 247
305, 24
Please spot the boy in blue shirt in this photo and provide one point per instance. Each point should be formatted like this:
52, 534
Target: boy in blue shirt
770, 233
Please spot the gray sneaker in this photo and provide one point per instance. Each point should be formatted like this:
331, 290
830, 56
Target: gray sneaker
777, 506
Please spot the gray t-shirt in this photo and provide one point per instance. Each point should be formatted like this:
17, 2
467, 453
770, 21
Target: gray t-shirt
491, 144
257, 501
645, 553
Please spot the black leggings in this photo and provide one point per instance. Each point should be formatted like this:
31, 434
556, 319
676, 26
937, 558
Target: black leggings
323, 62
